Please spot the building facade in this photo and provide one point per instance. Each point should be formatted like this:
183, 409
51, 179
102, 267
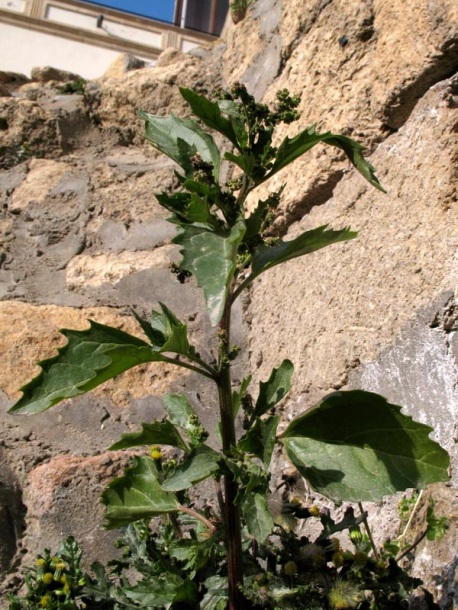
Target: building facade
85, 37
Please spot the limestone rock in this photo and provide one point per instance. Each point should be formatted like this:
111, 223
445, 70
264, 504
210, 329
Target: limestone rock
48, 73
27, 130
122, 64
365, 89
356, 297
11, 81
31, 333
59, 494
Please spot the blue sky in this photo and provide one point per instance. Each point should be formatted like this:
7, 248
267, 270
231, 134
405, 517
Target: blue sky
158, 9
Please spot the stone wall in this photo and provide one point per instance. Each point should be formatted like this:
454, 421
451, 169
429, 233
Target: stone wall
84, 238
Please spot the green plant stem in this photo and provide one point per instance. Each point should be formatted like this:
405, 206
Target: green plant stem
243, 285
368, 531
191, 367
204, 365
415, 543
232, 512
244, 191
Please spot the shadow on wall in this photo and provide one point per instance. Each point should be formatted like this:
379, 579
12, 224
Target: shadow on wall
420, 372
12, 518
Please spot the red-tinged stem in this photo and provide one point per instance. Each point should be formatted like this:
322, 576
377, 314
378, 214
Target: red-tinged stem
231, 510
196, 515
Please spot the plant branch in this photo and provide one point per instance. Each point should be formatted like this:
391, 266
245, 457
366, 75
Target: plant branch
243, 193
415, 543
204, 365
196, 515
246, 282
219, 496
191, 367
368, 531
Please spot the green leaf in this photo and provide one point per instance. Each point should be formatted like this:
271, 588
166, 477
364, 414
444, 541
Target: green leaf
291, 149
437, 526
260, 439
245, 161
232, 110
90, 358
166, 332
237, 395
356, 446
136, 495
195, 553
182, 414
210, 114
255, 221
176, 203
179, 139
156, 433
162, 592
258, 518
275, 389
216, 597
179, 409
267, 257
212, 259
199, 214
170, 332
194, 207
202, 463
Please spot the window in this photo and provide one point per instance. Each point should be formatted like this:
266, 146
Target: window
203, 15
155, 9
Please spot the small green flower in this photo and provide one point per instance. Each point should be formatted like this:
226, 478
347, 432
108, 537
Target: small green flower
355, 534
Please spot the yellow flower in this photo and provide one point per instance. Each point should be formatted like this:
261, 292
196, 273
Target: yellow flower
334, 544
48, 578
290, 568
40, 562
338, 559
314, 511
360, 558
155, 452
45, 601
